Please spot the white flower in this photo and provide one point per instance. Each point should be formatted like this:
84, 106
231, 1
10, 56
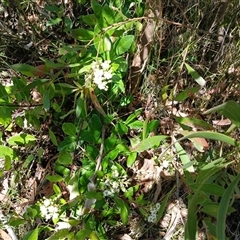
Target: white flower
62, 225
158, 206
115, 173
165, 164
115, 185
52, 209
107, 75
44, 211
151, 219
105, 65
46, 202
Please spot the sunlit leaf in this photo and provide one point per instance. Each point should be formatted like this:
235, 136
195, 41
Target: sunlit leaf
124, 44
21, 139
149, 143
195, 75
54, 178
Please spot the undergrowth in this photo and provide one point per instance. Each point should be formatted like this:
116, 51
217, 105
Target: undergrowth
119, 120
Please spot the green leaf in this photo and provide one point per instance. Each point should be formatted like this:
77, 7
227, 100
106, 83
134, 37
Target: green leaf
131, 158
94, 195
211, 189
25, 69
65, 158
211, 209
149, 143
82, 34
205, 173
81, 108
209, 135
90, 19
69, 129
21, 139
102, 43
83, 234
7, 163
121, 128
7, 151
97, 8
136, 124
124, 44
57, 189
223, 208
186, 162
133, 116
54, 178
194, 122
229, 110
163, 205
53, 137
186, 94
32, 235
52, 22
60, 235
3, 94
123, 208
195, 75
28, 160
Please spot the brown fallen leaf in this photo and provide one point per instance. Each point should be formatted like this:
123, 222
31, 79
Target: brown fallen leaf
222, 122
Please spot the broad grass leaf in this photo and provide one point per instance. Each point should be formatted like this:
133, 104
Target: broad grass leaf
163, 205
223, 208
133, 116
25, 69
204, 174
186, 93
195, 75
211, 189
187, 163
124, 44
229, 110
149, 143
194, 122
21, 139
209, 135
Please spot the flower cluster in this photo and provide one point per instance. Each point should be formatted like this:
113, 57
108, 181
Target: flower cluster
114, 183
48, 209
100, 74
153, 210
